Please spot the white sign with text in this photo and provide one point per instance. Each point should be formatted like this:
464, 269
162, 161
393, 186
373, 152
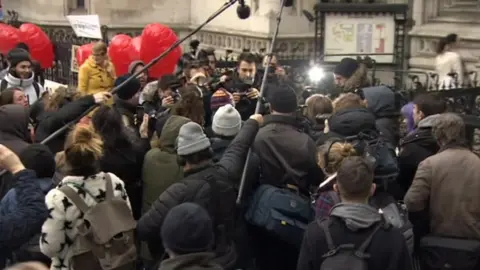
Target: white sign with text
86, 25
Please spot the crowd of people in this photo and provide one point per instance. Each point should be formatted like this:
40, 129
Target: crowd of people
183, 173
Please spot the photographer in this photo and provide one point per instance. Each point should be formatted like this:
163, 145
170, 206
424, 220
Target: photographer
244, 85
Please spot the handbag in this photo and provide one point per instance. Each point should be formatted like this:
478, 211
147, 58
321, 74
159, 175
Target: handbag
438, 253
283, 212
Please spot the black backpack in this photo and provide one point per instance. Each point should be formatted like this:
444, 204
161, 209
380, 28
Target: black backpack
346, 256
380, 153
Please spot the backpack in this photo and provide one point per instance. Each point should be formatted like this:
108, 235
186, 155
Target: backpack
380, 153
395, 213
106, 239
346, 256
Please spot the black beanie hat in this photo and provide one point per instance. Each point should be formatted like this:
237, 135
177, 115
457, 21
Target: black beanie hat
39, 158
129, 90
283, 99
187, 228
346, 67
18, 55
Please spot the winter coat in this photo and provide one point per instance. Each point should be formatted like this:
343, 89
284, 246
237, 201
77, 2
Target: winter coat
49, 122
26, 85
446, 63
161, 169
382, 103
128, 113
196, 187
388, 249
18, 227
60, 228
219, 145
93, 78
415, 148
446, 185
14, 134
346, 123
192, 261
276, 143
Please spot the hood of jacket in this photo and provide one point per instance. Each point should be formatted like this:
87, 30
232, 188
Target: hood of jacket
381, 101
351, 122
17, 82
193, 261
356, 216
14, 119
423, 134
358, 79
170, 132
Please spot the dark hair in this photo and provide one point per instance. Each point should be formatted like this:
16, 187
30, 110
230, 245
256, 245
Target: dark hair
247, 57
355, 178
191, 104
22, 45
107, 122
430, 104
449, 39
168, 81
196, 158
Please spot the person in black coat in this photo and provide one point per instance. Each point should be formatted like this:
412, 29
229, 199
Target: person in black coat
123, 153
352, 221
419, 144
19, 227
61, 110
319, 109
211, 185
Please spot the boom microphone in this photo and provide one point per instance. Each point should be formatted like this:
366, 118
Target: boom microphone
243, 11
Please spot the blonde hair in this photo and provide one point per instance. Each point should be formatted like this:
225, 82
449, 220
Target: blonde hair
83, 150
318, 104
348, 101
28, 266
61, 96
99, 48
338, 152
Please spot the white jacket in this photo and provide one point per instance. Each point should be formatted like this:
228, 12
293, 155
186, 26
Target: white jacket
448, 62
26, 85
60, 229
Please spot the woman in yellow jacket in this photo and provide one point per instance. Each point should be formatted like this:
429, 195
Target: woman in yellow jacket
97, 74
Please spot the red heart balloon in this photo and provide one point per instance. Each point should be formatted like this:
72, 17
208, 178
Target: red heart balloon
121, 52
137, 45
9, 37
41, 48
83, 53
156, 38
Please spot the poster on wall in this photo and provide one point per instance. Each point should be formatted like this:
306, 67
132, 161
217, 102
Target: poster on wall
73, 59
359, 34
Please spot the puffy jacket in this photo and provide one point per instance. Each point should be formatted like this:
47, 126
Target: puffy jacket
26, 85
217, 198
93, 78
19, 227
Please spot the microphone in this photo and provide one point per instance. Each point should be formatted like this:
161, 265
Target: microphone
243, 11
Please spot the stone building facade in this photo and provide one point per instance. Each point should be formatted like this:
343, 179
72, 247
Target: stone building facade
437, 18
225, 32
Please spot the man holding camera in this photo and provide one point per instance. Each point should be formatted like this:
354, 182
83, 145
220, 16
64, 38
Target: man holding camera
244, 85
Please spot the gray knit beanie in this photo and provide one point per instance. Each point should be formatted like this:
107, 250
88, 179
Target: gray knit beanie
227, 121
191, 139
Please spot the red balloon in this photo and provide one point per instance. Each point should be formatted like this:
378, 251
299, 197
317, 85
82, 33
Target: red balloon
41, 48
156, 38
137, 45
122, 53
9, 37
83, 53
